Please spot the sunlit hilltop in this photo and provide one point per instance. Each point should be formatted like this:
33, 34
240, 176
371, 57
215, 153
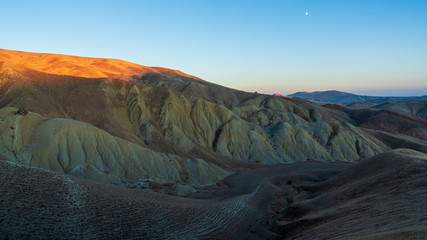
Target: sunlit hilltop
82, 66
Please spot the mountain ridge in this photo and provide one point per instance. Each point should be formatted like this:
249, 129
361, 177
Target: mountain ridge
344, 98
61, 64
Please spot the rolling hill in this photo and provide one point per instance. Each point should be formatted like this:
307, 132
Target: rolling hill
344, 98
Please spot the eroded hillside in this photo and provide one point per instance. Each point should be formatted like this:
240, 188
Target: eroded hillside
260, 128
168, 116
89, 147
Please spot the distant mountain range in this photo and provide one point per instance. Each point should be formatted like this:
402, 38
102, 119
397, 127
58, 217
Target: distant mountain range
349, 98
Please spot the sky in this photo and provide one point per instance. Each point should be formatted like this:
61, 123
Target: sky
371, 47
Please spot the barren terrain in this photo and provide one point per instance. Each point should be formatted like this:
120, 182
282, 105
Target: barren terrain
298, 201
106, 149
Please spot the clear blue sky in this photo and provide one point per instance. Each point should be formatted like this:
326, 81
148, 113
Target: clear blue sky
376, 47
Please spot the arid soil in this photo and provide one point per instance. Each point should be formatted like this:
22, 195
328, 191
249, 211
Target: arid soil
384, 196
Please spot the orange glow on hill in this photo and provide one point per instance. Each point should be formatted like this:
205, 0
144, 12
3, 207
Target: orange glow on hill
83, 66
280, 95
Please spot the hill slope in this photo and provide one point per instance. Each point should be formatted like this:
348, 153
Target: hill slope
401, 118
411, 109
60, 64
344, 98
262, 128
380, 198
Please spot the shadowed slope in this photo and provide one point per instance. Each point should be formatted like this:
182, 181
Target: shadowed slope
361, 105
267, 129
209, 91
410, 109
344, 98
36, 203
394, 140
390, 121
65, 207
381, 196
400, 118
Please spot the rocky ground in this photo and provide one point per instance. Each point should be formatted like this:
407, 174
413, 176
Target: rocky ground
382, 197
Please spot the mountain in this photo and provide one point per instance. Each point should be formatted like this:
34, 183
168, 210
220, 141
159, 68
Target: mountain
349, 98
136, 137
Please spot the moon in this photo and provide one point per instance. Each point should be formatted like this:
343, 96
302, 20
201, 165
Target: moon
306, 13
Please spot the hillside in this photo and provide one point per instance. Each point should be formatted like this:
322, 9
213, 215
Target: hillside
60, 64
406, 118
89, 144
415, 109
254, 128
378, 198
344, 98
